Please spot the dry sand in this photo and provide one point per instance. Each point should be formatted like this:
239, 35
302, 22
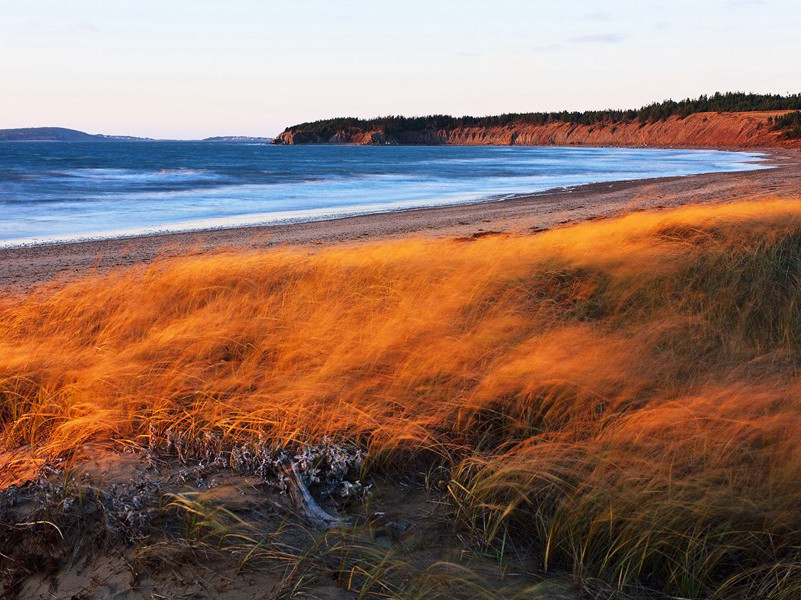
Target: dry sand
23, 269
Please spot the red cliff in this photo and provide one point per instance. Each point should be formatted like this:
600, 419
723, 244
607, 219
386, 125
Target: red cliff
707, 129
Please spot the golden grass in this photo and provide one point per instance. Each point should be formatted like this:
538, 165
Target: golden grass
621, 395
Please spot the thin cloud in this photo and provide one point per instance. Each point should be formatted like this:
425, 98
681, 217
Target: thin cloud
88, 26
598, 38
546, 48
596, 16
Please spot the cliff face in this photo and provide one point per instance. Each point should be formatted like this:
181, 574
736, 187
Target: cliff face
362, 138
737, 130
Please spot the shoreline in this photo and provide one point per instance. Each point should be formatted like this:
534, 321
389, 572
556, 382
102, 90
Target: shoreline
752, 159
325, 218
23, 268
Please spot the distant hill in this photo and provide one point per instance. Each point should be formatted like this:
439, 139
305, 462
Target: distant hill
62, 134
239, 138
59, 134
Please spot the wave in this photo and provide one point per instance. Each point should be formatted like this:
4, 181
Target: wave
127, 175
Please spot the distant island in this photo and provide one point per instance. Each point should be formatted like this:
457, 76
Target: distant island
62, 134
733, 119
244, 139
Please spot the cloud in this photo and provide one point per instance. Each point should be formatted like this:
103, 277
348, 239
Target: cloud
88, 26
546, 48
595, 16
598, 38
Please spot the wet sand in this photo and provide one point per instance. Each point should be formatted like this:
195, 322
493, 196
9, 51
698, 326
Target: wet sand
23, 269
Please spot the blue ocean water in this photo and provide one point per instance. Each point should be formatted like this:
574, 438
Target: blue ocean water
71, 191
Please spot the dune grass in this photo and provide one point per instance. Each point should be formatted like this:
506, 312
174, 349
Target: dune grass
620, 397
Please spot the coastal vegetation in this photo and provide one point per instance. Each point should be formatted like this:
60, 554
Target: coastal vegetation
789, 124
612, 406
657, 111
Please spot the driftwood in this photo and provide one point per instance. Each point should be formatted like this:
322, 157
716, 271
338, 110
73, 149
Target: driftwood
304, 503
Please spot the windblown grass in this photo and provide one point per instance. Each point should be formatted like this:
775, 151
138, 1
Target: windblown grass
300, 558
620, 396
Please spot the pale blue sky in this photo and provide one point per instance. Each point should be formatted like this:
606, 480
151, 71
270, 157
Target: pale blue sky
192, 68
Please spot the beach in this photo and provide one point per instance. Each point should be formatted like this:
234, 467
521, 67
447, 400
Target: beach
25, 268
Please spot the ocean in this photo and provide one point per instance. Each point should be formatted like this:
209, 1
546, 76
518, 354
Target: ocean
72, 191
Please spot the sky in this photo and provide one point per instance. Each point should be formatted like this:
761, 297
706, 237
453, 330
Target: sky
196, 68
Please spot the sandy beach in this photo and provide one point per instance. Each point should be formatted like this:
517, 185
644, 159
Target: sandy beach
24, 268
